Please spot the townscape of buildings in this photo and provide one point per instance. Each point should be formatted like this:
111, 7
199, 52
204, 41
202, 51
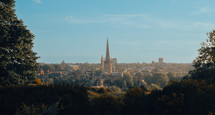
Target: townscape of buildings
111, 73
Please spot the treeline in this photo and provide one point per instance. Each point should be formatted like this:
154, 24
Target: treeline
64, 99
186, 97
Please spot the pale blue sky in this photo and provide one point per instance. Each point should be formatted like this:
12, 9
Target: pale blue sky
138, 30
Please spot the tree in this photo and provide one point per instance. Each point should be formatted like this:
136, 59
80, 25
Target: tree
129, 80
204, 64
106, 104
107, 82
17, 60
171, 75
134, 100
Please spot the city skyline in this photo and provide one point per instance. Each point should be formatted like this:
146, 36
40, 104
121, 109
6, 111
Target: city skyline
76, 31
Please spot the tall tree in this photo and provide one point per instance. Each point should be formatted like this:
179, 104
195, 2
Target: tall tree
17, 60
205, 63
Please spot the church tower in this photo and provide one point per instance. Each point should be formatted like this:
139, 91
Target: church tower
107, 53
107, 62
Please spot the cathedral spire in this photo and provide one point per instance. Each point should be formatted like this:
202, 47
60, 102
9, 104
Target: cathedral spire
107, 52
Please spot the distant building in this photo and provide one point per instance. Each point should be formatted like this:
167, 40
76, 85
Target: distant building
117, 74
114, 64
102, 63
160, 60
153, 62
63, 65
114, 61
41, 64
106, 64
74, 67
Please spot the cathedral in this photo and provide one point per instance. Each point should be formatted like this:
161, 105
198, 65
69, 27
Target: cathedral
106, 64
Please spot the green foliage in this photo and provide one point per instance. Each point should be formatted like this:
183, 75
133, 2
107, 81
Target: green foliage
115, 89
134, 92
69, 99
107, 82
158, 79
50, 67
134, 98
39, 109
186, 97
98, 72
174, 77
17, 60
205, 63
106, 105
128, 80
153, 87
102, 90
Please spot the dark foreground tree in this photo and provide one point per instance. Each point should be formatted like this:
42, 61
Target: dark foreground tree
17, 60
205, 63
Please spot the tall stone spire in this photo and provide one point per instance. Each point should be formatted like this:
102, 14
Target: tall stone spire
107, 64
107, 53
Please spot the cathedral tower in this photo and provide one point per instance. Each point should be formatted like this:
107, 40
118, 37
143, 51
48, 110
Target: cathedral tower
107, 62
107, 53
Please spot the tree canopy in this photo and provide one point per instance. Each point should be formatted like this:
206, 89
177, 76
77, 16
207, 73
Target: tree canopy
205, 63
17, 60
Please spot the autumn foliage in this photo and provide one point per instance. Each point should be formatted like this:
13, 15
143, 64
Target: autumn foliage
38, 81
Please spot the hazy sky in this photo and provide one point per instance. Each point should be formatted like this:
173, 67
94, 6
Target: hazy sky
138, 30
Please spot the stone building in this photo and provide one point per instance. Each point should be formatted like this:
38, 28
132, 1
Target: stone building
160, 60
106, 64
114, 64
102, 63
